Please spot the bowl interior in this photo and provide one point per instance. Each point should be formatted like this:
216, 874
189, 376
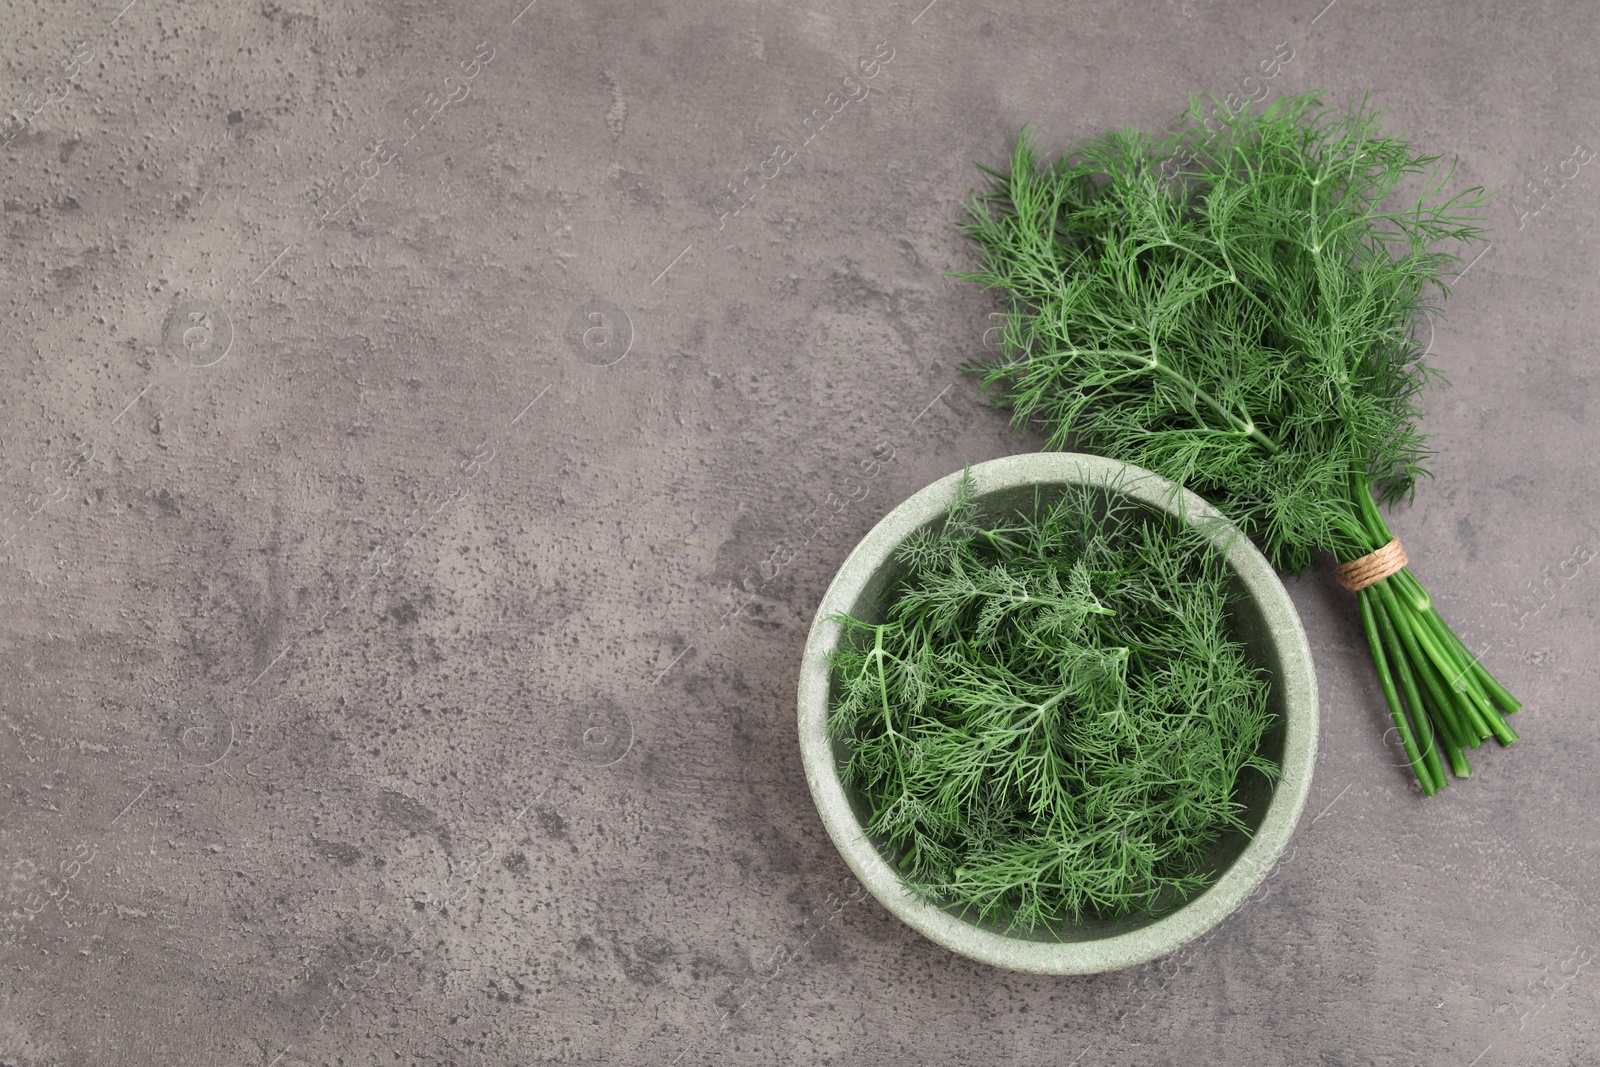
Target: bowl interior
1247, 624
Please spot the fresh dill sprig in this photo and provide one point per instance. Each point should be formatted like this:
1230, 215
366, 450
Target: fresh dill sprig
1240, 319
1052, 720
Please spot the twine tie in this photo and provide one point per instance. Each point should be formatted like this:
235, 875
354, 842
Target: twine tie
1373, 567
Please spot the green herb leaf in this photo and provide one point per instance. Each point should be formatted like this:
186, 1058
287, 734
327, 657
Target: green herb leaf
1053, 720
1234, 308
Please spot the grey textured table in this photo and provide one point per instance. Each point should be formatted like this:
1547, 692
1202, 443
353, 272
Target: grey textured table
430, 428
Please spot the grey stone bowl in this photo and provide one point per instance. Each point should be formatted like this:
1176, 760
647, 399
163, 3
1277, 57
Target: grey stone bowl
1265, 623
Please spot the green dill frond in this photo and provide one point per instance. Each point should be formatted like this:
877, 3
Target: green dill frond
1054, 719
1234, 307
1239, 318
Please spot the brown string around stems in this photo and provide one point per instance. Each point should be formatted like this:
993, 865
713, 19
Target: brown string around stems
1373, 567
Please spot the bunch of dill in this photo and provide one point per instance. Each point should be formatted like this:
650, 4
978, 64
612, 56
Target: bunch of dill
1235, 309
1053, 719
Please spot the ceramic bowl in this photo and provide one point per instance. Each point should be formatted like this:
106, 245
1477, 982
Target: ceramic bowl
1265, 623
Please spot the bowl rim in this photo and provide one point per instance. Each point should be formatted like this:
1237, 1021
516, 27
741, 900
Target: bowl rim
1192, 919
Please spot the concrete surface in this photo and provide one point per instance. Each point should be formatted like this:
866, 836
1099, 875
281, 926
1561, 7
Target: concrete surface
400, 664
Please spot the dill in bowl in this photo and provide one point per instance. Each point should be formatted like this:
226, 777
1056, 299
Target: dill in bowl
1053, 720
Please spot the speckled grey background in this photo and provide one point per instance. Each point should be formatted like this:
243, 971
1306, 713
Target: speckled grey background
408, 546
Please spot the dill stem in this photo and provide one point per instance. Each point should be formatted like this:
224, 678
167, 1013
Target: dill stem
1470, 684
1461, 669
1352, 527
1510, 703
1150, 360
1447, 665
1230, 274
1245, 425
1442, 676
883, 683
1316, 237
1360, 542
1456, 680
1396, 712
1361, 488
1419, 710
997, 539
1496, 722
1453, 721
